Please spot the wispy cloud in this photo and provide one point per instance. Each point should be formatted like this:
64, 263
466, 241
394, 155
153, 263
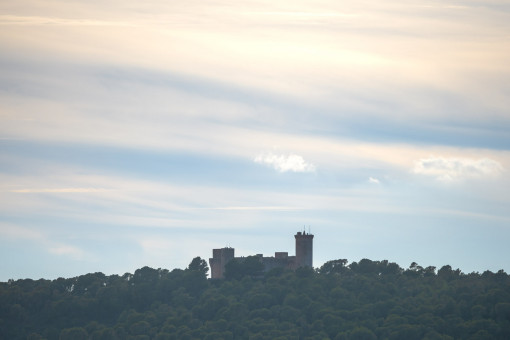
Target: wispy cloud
448, 169
58, 190
156, 244
6, 20
64, 250
373, 180
16, 232
258, 208
11, 231
285, 163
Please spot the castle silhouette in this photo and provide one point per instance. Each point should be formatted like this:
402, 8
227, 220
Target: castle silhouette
303, 257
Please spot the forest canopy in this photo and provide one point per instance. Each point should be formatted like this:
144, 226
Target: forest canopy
361, 300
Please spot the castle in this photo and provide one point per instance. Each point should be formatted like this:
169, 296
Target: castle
303, 257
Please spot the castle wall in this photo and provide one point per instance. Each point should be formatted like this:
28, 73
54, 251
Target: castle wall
277, 262
303, 258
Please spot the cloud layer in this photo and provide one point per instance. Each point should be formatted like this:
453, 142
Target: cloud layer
135, 131
449, 169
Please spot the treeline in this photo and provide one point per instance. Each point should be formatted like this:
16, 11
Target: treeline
361, 300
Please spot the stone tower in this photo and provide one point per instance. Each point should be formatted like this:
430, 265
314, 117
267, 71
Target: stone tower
304, 249
220, 258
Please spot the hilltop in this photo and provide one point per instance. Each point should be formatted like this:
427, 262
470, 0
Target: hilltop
361, 300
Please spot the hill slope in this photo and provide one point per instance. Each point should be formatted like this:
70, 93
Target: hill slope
363, 300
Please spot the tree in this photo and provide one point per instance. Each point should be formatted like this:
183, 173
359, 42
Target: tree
447, 273
199, 265
75, 333
368, 298
414, 270
366, 266
334, 267
194, 278
145, 275
362, 333
248, 266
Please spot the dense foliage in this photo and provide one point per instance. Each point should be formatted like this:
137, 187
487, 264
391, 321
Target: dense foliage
362, 300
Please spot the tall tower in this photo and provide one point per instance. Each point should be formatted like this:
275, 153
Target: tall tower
217, 263
304, 249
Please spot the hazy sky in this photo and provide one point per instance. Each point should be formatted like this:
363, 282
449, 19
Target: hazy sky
138, 133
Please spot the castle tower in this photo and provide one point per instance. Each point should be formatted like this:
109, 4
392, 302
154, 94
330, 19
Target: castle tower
217, 263
304, 249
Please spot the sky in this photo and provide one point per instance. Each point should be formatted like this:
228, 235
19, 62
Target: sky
146, 133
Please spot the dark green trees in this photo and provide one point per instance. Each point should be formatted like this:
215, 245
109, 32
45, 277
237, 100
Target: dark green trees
199, 265
361, 300
249, 266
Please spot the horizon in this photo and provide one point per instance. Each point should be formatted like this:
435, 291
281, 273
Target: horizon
146, 134
315, 267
